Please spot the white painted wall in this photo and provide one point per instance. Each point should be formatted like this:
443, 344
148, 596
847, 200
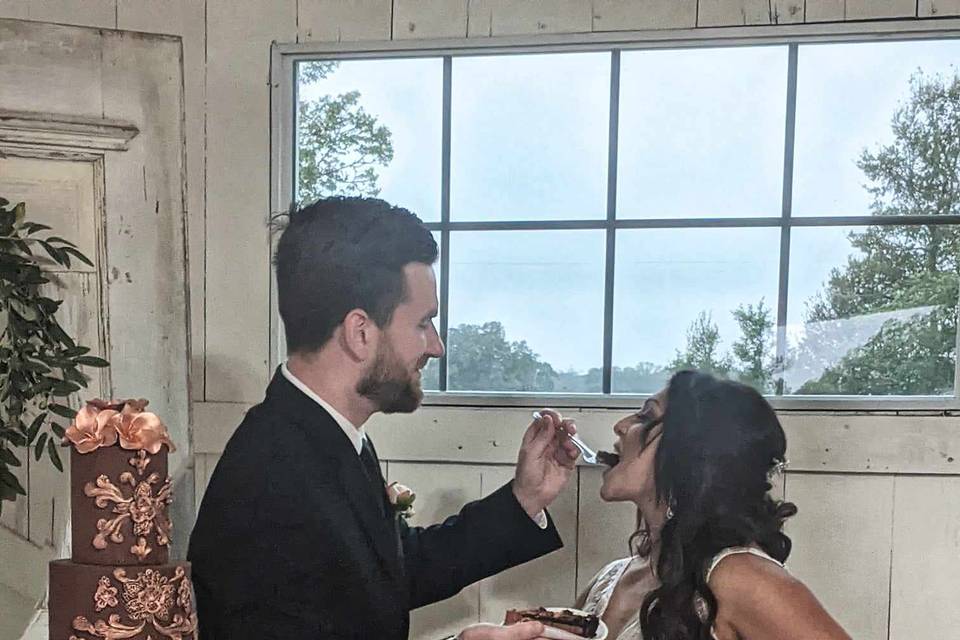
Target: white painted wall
878, 535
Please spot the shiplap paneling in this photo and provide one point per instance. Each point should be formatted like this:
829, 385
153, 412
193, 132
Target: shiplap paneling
626, 15
343, 20
186, 19
880, 9
214, 423
938, 8
24, 565
842, 542
548, 581
727, 13
788, 11
16, 514
82, 13
926, 558
509, 18
604, 529
825, 10
429, 19
238, 205
442, 490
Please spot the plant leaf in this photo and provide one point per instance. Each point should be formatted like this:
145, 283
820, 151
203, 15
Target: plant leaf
27, 313
7, 456
91, 361
38, 448
16, 439
60, 240
61, 410
34, 427
11, 481
79, 256
54, 454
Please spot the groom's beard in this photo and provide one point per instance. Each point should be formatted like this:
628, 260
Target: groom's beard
392, 387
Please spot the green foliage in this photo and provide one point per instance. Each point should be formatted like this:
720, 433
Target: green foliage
39, 363
913, 270
703, 348
340, 146
481, 358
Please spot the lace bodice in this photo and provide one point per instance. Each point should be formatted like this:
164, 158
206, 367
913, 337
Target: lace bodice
601, 591
606, 580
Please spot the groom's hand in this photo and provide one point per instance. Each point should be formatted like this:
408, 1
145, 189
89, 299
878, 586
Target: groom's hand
545, 463
519, 631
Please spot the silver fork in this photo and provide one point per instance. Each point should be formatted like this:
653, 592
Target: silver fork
589, 455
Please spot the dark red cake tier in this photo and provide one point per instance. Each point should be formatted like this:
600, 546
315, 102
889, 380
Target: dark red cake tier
88, 602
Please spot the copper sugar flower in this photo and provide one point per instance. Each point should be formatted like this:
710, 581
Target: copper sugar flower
102, 422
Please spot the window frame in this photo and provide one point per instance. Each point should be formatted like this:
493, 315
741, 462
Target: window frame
283, 101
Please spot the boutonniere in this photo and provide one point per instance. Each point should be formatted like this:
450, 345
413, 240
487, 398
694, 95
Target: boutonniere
401, 499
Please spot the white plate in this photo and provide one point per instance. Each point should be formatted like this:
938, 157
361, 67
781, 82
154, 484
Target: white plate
559, 634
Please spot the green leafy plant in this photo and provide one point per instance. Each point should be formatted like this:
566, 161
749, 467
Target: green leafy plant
39, 363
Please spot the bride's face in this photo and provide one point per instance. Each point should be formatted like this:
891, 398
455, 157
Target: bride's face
638, 437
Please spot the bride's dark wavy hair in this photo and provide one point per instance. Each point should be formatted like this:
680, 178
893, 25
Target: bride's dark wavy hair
719, 444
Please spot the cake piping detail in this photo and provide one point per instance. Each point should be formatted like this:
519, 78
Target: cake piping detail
147, 510
106, 595
148, 599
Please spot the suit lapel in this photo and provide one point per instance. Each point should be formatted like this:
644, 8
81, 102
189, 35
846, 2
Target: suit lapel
380, 530
331, 443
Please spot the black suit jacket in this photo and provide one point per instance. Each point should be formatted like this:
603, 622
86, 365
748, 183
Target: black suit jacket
290, 540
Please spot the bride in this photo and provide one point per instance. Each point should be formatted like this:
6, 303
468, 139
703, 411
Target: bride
708, 553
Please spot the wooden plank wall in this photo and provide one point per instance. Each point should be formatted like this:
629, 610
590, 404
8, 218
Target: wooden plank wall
879, 529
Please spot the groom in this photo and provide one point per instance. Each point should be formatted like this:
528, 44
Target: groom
295, 537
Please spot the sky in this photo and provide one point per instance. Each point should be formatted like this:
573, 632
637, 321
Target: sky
701, 134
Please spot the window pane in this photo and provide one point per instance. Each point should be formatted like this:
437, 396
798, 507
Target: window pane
371, 128
529, 137
848, 96
677, 294
526, 311
701, 132
873, 310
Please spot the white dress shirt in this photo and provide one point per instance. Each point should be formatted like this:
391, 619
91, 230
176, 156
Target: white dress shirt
357, 434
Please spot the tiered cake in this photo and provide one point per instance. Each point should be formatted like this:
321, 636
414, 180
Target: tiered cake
119, 582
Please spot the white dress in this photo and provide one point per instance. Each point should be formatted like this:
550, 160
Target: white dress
601, 589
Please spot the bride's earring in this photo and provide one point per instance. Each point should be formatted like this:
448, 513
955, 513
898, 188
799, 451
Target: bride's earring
670, 505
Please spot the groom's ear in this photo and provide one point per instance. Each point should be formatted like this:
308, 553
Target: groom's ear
359, 335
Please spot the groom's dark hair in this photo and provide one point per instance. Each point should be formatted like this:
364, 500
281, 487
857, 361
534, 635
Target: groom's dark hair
340, 254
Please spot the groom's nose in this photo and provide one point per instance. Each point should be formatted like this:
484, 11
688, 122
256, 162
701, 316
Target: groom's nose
435, 348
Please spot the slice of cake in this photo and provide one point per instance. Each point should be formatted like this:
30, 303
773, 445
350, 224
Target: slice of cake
584, 625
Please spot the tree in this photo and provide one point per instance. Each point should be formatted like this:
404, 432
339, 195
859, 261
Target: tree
482, 359
644, 377
909, 273
703, 348
754, 349
340, 146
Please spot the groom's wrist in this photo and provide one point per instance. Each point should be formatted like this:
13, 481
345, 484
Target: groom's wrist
530, 504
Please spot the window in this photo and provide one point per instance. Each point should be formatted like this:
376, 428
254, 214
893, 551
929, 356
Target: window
786, 214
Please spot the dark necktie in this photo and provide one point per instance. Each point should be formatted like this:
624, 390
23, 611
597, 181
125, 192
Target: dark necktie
371, 469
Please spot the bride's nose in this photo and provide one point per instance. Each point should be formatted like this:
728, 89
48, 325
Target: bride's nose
620, 428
